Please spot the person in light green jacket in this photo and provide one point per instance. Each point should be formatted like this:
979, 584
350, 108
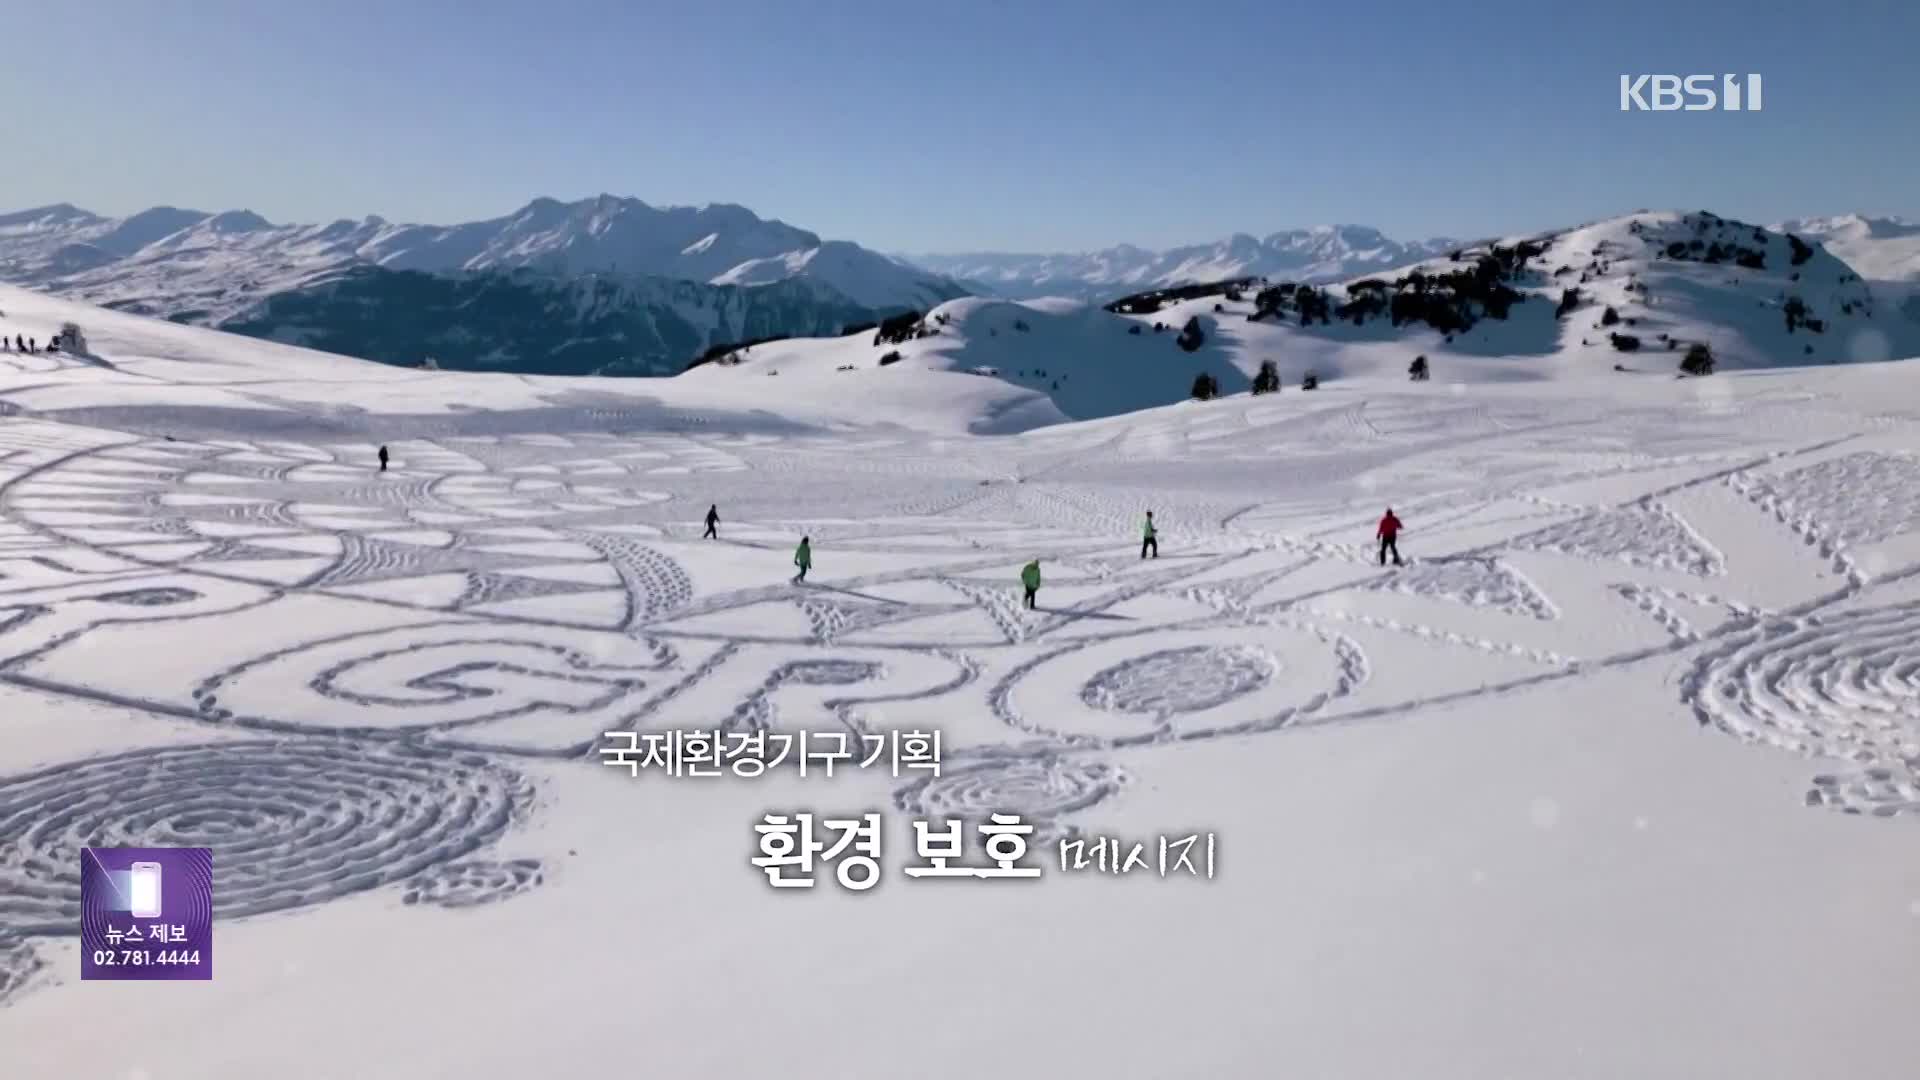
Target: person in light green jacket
1149, 539
803, 558
1030, 577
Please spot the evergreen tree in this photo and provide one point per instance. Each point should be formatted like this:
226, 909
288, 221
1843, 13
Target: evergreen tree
1268, 380
1698, 361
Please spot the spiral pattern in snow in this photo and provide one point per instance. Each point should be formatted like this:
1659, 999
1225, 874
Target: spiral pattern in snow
290, 823
1041, 791
1846, 686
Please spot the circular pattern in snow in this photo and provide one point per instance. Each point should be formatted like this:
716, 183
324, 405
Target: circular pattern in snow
1041, 790
1189, 680
1846, 687
1189, 684
290, 823
473, 883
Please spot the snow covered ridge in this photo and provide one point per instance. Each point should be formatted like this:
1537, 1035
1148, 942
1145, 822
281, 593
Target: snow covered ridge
532, 322
155, 375
1080, 359
1625, 296
604, 285
1321, 254
161, 256
1882, 249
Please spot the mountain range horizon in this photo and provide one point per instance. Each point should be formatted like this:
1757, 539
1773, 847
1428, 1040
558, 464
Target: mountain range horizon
68, 211
612, 284
246, 218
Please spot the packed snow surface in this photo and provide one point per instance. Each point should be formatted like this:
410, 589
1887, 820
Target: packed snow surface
1618, 777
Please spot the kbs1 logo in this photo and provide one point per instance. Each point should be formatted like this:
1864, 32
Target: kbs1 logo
1693, 93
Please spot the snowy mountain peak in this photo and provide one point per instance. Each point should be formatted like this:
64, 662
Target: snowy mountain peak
214, 267
542, 210
154, 213
49, 216
1625, 297
1319, 253
1884, 249
1853, 225
133, 233
238, 221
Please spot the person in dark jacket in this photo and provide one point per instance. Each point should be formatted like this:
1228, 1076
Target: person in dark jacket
1030, 577
713, 524
1388, 534
383, 459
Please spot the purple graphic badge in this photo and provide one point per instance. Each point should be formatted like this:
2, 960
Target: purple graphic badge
146, 913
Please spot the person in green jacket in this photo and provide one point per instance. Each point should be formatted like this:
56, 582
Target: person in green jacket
1030, 577
803, 558
1148, 539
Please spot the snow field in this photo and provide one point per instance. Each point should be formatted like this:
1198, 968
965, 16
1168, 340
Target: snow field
1615, 778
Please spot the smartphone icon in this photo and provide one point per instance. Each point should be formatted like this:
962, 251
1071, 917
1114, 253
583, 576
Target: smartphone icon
144, 878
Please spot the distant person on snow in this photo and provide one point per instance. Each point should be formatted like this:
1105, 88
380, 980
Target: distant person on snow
1388, 533
33, 344
713, 524
803, 558
20, 342
1149, 540
383, 459
1030, 577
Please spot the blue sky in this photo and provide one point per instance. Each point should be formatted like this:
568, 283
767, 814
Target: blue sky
1027, 125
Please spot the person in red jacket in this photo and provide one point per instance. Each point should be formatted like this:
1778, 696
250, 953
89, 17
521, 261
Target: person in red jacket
1389, 531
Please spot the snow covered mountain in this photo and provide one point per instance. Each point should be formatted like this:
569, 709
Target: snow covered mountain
1880, 248
602, 285
156, 374
211, 267
1625, 296
1885, 250
538, 323
1325, 253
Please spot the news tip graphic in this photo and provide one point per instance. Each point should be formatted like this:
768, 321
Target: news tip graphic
146, 913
